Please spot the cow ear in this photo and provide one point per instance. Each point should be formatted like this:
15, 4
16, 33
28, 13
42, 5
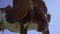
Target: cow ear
49, 17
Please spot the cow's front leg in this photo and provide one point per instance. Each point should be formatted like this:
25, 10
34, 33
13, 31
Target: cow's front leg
23, 28
46, 31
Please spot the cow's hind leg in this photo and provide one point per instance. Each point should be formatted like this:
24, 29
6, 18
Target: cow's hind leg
46, 31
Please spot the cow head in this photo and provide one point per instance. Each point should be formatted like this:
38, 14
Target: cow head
9, 14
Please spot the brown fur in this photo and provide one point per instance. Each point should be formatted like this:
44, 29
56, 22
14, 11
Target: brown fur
21, 8
40, 10
22, 14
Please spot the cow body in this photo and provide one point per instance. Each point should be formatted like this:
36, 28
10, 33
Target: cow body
20, 17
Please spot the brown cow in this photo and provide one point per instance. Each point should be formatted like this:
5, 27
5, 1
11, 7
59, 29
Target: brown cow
22, 13
40, 16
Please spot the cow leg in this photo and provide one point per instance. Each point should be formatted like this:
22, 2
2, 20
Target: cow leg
23, 30
46, 31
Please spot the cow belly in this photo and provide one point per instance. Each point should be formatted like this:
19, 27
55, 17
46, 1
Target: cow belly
32, 26
16, 27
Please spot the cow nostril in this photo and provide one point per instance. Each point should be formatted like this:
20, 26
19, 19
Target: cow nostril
10, 20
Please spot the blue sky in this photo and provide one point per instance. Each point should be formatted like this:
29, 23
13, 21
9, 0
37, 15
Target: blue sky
53, 8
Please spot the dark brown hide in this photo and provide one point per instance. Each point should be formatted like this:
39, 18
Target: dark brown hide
21, 8
22, 13
40, 4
